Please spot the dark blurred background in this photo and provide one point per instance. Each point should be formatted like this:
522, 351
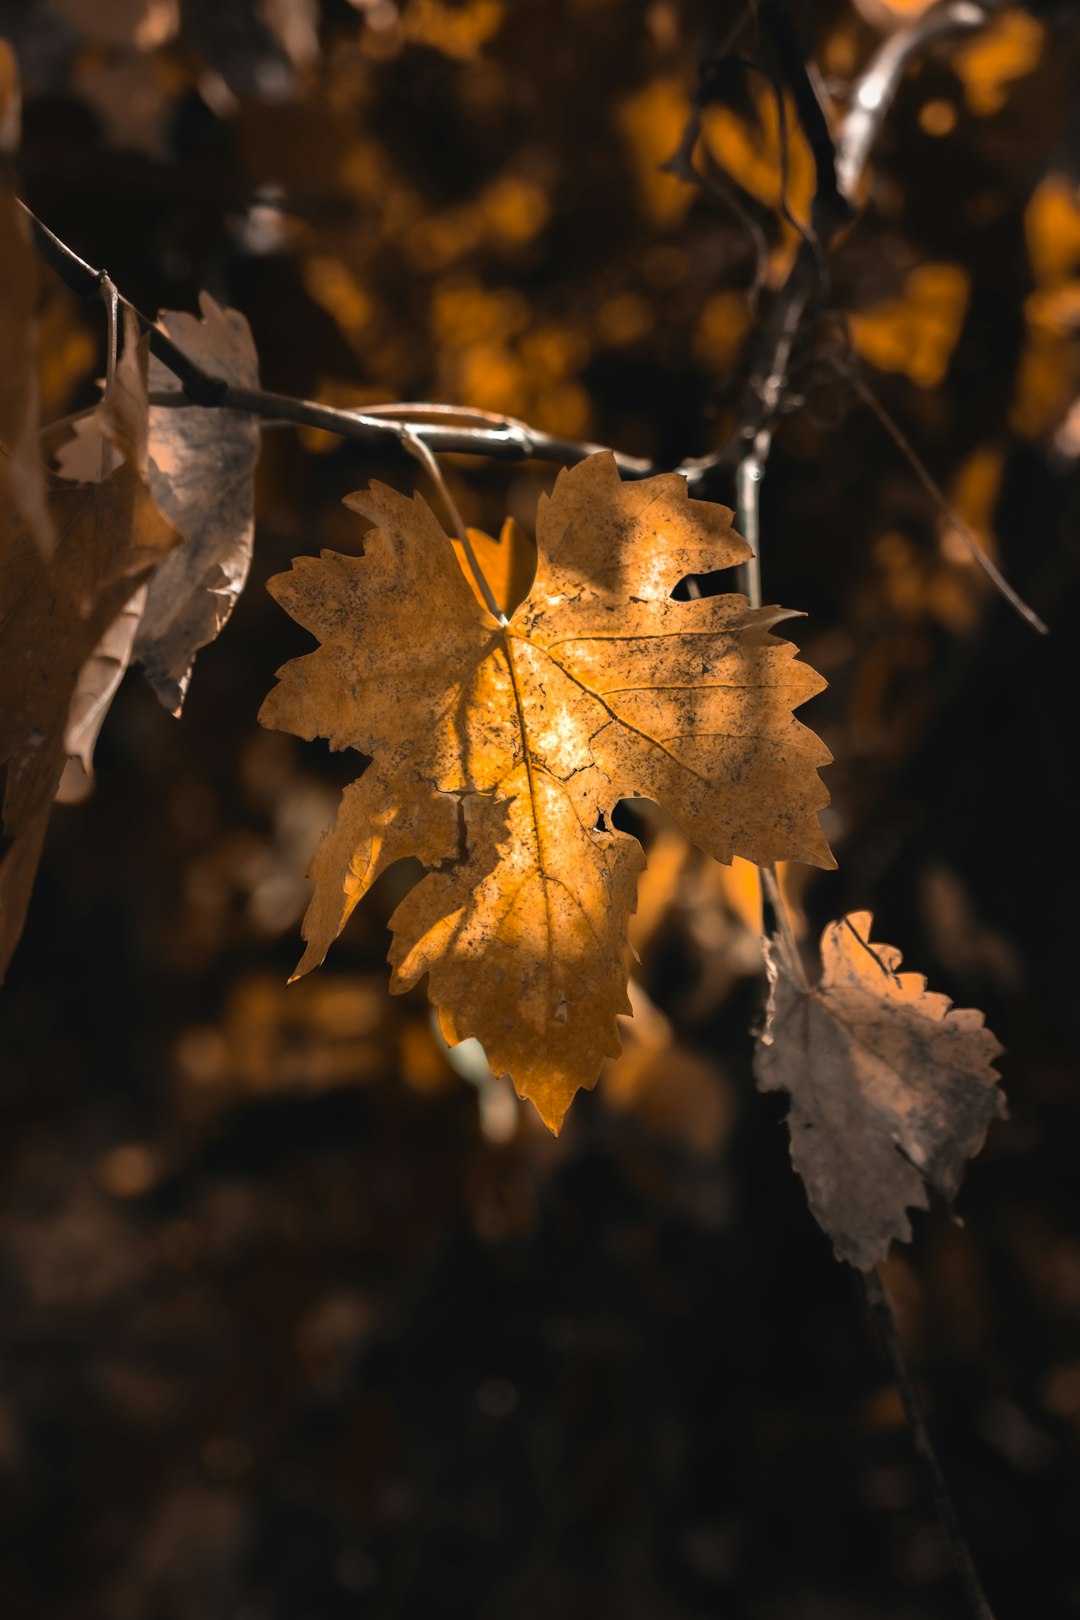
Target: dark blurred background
301, 1321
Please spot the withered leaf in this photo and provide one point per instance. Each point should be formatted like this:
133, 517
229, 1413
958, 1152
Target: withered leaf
891, 1087
201, 472
98, 682
202, 476
500, 751
110, 537
22, 490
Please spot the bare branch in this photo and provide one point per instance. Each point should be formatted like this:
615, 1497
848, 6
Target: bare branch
880, 1308
446, 429
941, 500
876, 89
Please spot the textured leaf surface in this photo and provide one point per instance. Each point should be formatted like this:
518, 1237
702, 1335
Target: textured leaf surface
99, 680
501, 751
109, 537
22, 492
891, 1088
201, 471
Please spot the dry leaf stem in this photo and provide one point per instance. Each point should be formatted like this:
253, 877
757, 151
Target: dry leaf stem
769, 390
941, 500
426, 457
879, 1306
749, 477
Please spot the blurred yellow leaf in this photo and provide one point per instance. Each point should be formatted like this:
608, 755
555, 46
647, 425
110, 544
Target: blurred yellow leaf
458, 31
651, 122
917, 332
1049, 372
994, 57
752, 153
1052, 228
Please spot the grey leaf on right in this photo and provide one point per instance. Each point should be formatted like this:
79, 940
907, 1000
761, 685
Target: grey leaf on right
891, 1088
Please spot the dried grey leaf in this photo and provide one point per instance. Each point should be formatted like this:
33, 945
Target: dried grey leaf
202, 468
891, 1087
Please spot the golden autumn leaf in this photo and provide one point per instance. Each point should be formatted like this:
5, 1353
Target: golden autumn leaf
508, 563
500, 750
891, 1088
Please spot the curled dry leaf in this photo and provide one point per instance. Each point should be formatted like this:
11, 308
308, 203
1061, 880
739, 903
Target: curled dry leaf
201, 471
97, 685
501, 750
202, 475
891, 1088
110, 537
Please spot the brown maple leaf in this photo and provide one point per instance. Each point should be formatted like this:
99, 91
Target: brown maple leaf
22, 493
501, 749
109, 538
891, 1088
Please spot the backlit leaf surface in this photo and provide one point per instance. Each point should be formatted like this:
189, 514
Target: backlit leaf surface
500, 751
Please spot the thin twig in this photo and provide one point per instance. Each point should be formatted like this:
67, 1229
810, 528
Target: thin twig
440, 429
876, 89
422, 453
873, 95
712, 179
941, 500
807, 232
83, 279
880, 1308
748, 478
111, 299
770, 884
